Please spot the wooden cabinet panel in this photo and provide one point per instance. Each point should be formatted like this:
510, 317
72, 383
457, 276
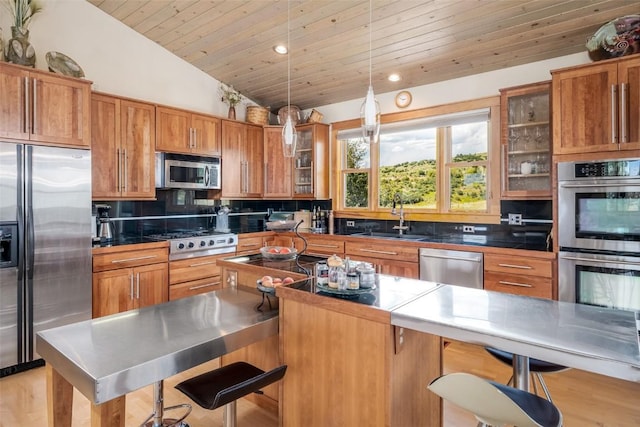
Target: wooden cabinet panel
124, 259
518, 265
277, 168
181, 131
311, 163
249, 245
242, 166
377, 250
123, 151
595, 107
128, 279
531, 286
324, 246
519, 275
185, 270
194, 287
44, 108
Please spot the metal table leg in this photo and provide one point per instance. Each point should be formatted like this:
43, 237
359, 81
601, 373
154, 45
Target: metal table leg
521, 372
156, 418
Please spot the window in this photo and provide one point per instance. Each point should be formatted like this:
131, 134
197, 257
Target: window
438, 164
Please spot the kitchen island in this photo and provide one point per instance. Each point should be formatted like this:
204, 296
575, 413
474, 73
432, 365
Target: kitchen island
107, 358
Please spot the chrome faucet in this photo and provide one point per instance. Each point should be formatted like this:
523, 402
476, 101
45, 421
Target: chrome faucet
401, 227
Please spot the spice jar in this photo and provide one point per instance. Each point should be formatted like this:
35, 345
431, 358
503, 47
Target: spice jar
353, 282
367, 277
322, 273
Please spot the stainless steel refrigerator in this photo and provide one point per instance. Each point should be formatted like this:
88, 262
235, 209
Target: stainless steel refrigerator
45, 246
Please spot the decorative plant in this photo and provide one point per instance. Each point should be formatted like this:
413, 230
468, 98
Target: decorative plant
23, 11
230, 95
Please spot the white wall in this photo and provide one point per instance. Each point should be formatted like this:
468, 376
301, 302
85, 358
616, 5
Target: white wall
122, 62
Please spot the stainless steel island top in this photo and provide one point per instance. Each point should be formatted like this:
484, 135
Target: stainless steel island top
110, 356
585, 337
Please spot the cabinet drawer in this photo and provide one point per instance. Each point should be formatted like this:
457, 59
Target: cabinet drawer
194, 287
532, 286
115, 260
401, 253
249, 245
324, 246
186, 270
518, 265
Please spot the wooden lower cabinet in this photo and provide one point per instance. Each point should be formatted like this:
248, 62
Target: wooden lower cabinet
193, 276
401, 261
124, 289
249, 245
521, 275
346, 370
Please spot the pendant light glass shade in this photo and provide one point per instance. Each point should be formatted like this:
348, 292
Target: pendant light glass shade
289, 135
289, 138
370, 110
370, 118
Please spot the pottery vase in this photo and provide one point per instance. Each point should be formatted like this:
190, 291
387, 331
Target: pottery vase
19, 50
232, 113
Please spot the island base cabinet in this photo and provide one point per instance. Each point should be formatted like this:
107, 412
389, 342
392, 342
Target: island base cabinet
345, 370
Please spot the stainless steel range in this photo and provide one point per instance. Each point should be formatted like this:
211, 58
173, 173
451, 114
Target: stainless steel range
191, 244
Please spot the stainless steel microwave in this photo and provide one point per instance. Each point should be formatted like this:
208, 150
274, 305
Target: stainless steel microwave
190, 172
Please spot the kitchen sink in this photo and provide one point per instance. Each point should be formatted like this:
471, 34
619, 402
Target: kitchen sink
393, 236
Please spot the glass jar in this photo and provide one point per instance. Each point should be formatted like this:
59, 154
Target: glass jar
353, 282
367, 277
322, 273
336, 277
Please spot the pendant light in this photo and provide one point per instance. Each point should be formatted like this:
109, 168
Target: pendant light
289, 135
370, 110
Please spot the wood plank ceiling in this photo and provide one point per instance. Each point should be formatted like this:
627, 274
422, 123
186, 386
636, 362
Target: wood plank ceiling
423, 41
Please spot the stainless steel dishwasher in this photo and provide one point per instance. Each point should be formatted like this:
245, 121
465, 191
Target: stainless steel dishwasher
452, 267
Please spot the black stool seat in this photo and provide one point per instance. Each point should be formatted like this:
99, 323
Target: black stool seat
540, 410
228, 383
535, 365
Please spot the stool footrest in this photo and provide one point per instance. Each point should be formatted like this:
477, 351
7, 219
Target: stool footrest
228, 383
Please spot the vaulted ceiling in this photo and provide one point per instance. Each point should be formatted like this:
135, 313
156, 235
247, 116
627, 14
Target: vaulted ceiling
423, 41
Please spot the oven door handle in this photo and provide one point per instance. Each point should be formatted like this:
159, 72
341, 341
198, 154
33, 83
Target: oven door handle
599, 261
604, 184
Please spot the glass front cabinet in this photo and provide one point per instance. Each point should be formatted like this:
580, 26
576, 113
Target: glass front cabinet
526, 141
311, 162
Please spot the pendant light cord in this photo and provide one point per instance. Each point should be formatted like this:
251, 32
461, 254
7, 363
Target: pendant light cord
288, 57
370, 19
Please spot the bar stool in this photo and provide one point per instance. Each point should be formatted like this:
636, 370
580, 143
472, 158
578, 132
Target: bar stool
225, 385
496, 404
536, 367
156, 419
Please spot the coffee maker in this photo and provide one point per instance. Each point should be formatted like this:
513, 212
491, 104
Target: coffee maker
106, 228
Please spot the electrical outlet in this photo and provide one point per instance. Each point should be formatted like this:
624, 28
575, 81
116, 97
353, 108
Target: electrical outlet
468, 229
351, 223
515, 219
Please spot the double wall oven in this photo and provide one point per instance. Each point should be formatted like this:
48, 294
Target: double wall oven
599, 233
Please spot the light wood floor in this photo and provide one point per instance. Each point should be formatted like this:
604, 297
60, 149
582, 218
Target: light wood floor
584, 399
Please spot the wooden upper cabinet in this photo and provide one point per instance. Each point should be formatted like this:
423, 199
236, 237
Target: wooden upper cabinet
526, 141
180, 131
44, 108
596, 107
277, 168
311, 162
123, 149
242, 158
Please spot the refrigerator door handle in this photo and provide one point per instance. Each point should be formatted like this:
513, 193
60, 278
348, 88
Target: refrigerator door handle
20, 212
30, 251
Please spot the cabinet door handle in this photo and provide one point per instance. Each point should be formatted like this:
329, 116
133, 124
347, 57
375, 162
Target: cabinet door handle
318, 245
197, 264
206, 285
614, 114
523, 267
118, 170
26, 125
312, 176
131, 286
137, 285
126, 171
35, 106
250, 245
624, 112
116, 261
521, 285
373, 251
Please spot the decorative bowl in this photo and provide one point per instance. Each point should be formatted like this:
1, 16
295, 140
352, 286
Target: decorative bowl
278, 252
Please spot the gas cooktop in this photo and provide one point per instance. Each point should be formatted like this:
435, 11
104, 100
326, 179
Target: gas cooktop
191, 244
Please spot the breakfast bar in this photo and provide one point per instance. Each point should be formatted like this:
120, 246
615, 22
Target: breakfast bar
107, 358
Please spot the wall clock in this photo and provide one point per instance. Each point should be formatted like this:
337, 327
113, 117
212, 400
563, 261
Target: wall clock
403, 99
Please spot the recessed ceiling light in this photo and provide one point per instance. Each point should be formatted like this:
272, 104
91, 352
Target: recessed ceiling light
394, 77
281, 49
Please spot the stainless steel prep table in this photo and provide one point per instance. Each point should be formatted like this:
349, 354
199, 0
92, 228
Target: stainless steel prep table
106, 358
585, 337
